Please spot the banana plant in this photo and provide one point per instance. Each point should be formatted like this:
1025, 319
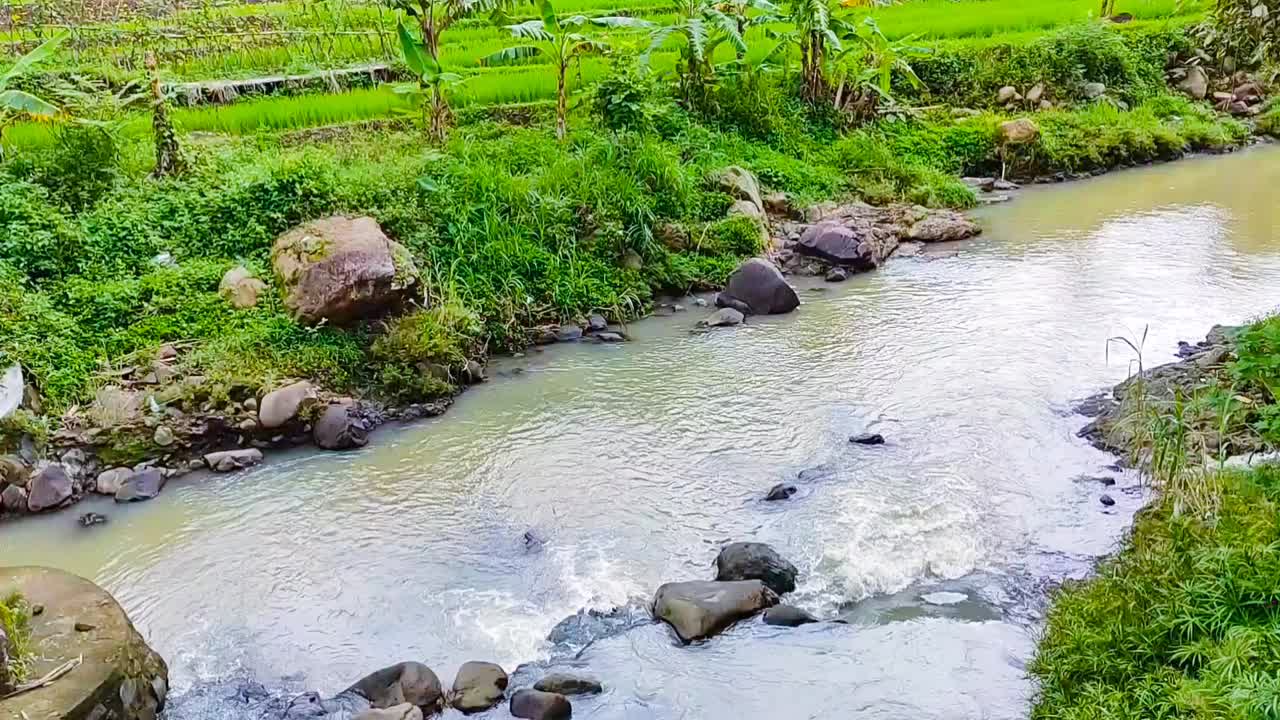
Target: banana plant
431, 82
815, 31
563, 42
880, 59
16, 103
700, 27
433, 18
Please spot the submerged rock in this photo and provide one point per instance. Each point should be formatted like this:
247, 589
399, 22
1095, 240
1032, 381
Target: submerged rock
787, 616
478, 686
725, 300
406, 682
867, 439
230, 460
538, 705
566, 684
699, 609
724, 317
1107, 500
838, 243
943, 227
90, 519
781, 491
587, 626
140, 486
597, 323
760, 285
341, 269
756, 561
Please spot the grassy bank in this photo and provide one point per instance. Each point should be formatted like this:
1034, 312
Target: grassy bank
1185, 621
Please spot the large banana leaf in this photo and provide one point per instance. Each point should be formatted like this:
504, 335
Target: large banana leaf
511, 55
531, 30
623, 22
18, 101
549, 20
39, 55
412, 49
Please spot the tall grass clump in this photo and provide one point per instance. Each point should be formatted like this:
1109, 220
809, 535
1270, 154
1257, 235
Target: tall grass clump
15, 621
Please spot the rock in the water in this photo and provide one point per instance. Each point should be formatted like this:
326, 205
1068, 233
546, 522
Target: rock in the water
859, 248
837, 274
566, 684
943, 227
781, 491
49, 488
340, 427
597, 323
478, 686
741, 184
403, 711
610, 337
142, 485
787, 616
725, 300
117, 676
1022, 131
109, 481
13, 499
867, 439
1107, 500
230, 460
760, 285
699, 609
240, 288
280, 406
538, 705
756, 561
723, 317
342, 269
1196, 84
568, 333
1094, 90
90, 519
406, 682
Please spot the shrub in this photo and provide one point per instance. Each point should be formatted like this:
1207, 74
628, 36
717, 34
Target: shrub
36, 239
422, 353
16, 624
623, 98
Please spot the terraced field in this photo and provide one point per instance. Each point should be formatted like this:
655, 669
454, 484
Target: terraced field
236, 41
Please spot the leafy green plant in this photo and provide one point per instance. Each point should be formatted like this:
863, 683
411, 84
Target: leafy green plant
878, 60
1243, 33
431, 80
559, 39
816, 32
15, 621
699, 27
623, 99
15, 103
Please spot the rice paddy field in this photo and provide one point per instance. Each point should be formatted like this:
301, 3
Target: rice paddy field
239, 40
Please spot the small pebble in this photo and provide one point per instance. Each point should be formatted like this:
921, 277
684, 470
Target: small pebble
867, 439
37, 610
1107, 500
84, 627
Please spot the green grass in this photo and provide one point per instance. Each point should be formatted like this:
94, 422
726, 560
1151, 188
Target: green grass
15, 621
951, 19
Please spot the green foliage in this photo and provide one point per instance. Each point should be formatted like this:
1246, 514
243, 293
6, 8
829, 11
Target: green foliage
1269, 121
1257, 369
80, 165
421, 355
1243, 33
16, 621
624, 98
1183, 623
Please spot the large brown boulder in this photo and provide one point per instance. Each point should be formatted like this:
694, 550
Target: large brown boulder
1022, 131
943, 226
342, 269
848, 245
761, 286
340, 427
701, 608
406, 682
538, 705
49, 488
282, 405
478, 686
119, 676
756, 561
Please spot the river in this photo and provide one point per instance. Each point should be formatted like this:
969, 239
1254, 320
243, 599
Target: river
633, 464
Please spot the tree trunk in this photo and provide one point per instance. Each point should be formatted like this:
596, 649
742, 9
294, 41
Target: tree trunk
439, 115
169, 161
561, 104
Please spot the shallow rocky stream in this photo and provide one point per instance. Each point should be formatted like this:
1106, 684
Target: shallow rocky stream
631, 464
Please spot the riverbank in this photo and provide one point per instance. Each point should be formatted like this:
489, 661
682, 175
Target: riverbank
153, 319
1183, 618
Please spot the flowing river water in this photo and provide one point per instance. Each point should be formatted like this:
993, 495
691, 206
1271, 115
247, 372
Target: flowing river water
633, 464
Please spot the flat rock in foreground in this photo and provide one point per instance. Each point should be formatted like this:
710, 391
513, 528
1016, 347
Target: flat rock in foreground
120, 676
699, 609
